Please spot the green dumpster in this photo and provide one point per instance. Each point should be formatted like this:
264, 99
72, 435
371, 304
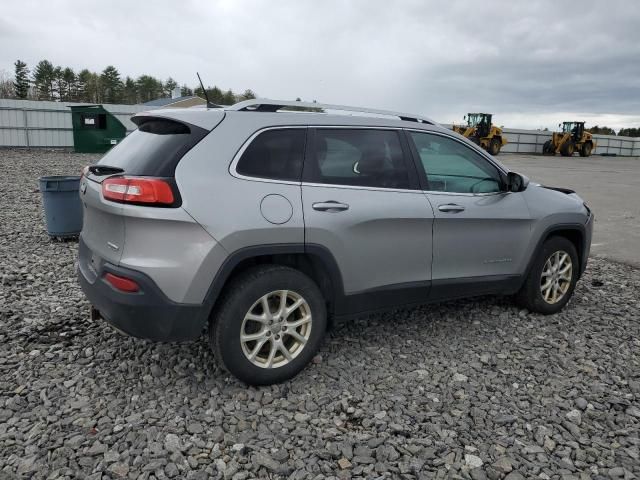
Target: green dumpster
95, 130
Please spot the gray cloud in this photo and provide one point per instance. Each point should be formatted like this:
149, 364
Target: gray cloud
530, 63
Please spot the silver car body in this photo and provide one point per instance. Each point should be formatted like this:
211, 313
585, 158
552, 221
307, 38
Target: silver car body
388, 244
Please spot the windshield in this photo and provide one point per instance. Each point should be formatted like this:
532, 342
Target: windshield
474, 119
567, 127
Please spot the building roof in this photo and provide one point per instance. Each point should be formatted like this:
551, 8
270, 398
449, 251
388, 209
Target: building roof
163, 102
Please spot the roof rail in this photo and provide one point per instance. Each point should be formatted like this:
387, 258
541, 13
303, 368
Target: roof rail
267, 105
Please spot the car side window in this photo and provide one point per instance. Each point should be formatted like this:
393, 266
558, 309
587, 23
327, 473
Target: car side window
453, 167
357, 157
274, 154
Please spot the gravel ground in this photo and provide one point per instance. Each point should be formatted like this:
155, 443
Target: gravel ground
469, 389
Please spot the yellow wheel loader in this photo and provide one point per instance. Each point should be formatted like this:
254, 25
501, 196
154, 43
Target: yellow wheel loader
480, 130
573, 138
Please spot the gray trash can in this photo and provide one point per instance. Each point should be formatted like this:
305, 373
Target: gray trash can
62, 205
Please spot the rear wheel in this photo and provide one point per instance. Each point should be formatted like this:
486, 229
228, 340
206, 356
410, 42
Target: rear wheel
585, 151
494, 146
548, 148
568, 148
269, 324
552, 277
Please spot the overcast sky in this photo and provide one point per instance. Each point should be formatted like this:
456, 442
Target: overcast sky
532, 64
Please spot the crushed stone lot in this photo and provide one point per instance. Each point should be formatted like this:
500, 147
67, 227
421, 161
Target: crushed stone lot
468, 389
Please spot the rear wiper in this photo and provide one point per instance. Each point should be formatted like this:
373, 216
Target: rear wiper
101, 170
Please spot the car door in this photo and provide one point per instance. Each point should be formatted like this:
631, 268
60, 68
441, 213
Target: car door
480, 230
362, 204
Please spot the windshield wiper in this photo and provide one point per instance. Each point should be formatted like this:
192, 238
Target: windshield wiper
101, 170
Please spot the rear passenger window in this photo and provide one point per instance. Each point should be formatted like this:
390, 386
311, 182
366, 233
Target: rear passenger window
358, 157
274, 154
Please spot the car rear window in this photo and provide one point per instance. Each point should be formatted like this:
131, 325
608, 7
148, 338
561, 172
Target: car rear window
155, 148
274, 154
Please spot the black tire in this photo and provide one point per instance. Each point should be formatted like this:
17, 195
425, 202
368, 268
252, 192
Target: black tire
585, 151
238, 298
494, 146
530, 295
568, 148
548, 148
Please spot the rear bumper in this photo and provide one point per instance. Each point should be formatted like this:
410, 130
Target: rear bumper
147, 313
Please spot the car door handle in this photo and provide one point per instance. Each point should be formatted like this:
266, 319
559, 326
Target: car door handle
330, 206
451, 208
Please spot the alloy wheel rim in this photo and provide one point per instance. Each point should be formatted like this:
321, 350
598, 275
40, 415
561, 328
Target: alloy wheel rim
556, 277
276, 329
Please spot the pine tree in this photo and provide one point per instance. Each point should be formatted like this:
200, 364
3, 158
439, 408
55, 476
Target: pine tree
215, 95
186, 91
21, 81
88, 87
71, 83
229, 98
111, 85
44, 80
149, 88
247, 95
169, 85
129, 91
60, 86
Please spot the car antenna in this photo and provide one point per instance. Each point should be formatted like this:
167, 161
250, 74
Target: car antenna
204, 90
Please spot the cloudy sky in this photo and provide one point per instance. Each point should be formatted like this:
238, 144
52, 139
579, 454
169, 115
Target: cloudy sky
532, 64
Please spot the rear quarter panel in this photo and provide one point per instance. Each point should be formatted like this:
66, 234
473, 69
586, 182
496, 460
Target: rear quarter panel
171, 248
229, 208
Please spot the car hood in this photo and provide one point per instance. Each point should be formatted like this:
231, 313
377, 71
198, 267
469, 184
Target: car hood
560, 196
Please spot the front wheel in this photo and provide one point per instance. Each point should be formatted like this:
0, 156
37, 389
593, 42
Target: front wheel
494, 146
548, 148
567, 149
585, 151
552, 277
269, 324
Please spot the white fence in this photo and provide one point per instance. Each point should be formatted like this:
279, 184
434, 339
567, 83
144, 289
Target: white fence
531, 141
28, 123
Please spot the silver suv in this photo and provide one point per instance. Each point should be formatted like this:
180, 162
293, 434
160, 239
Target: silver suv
269, 219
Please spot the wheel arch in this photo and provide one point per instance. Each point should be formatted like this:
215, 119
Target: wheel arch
313, 260
575, 233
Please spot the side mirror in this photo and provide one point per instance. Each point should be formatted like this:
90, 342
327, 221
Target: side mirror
464, 118
516, 182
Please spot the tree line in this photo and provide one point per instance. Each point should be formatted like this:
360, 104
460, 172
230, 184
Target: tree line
55, 83
623, 132
601, 130
63, 84
629, 132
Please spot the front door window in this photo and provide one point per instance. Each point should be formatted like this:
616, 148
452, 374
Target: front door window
453, 167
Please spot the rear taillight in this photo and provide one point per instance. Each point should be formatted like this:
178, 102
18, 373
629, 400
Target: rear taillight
148, 191
121, 283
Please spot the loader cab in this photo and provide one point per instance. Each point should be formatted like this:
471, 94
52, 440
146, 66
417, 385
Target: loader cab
482, 123
575, 129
